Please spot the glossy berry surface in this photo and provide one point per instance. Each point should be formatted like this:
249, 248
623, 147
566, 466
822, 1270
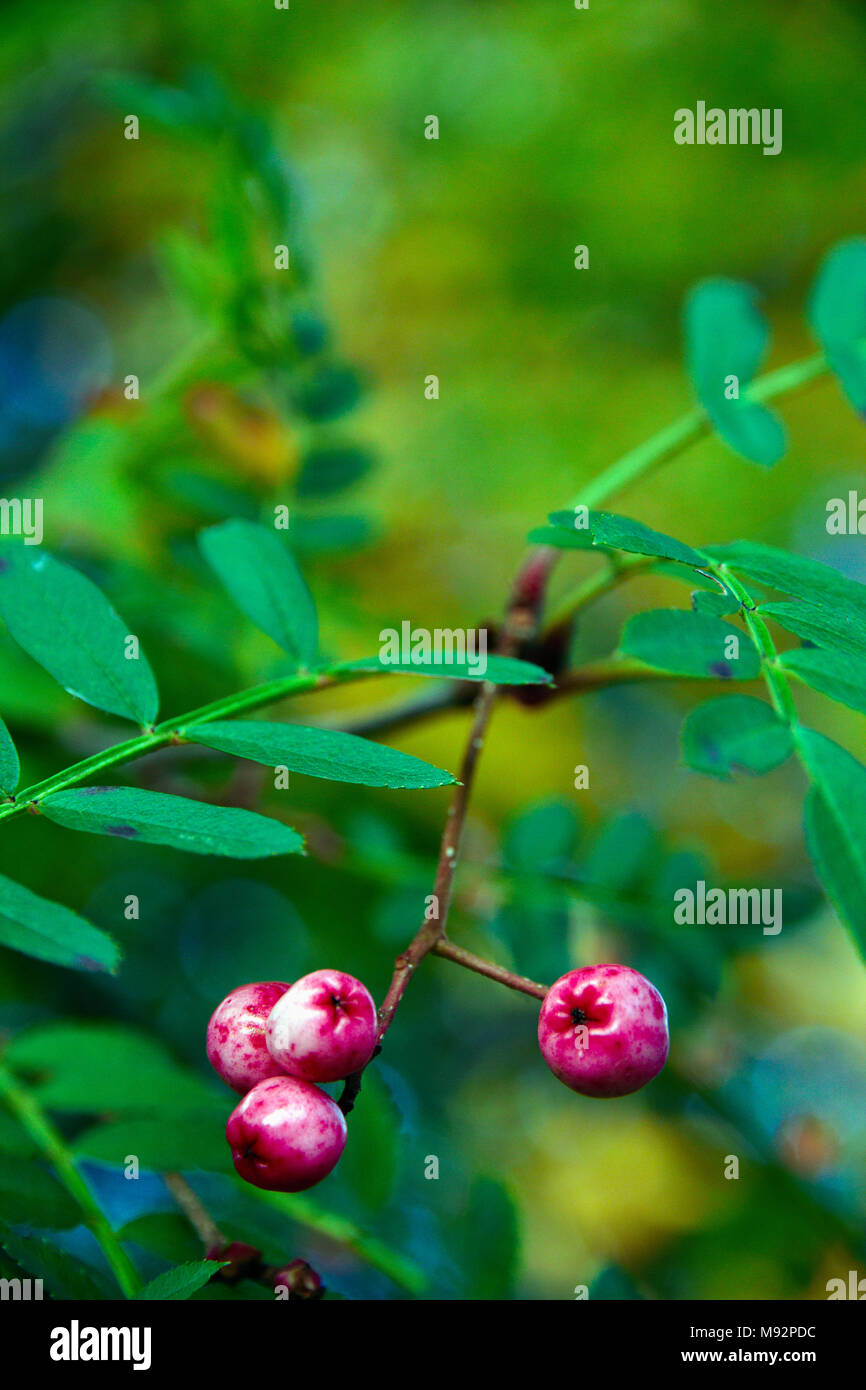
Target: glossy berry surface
286, 1135
324, 1027
603, 1030
236, 1046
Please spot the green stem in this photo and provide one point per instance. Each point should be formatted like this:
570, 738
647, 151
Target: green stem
777, 682
36, 1123
173, 731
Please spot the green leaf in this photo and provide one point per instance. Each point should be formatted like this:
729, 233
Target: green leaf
564, 536
156, 818
182, 1281
793, 574
172, 108
9, 769
622, 851
64, 1276
88, 1067
66, 624
689, 644
843, 630
326, 753
190, 1141
840, 675
500, 670
727, 336
369, 1164
613, 532
541, 837
52, 932
835, 824
735, 731
837, 312
256, 568
715, 604
488, 1242
31, 1196
326, 471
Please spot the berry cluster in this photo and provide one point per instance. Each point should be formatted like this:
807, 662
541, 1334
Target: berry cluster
603, 1031
273, 1042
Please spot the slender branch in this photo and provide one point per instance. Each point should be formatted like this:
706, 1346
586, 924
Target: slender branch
449, 951
173, 730
195, 1211
33, 1119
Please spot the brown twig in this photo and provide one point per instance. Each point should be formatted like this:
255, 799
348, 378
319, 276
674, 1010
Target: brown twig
449, 951
195, 1212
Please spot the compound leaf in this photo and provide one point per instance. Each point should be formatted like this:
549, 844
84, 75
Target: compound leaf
690, 644
735, 731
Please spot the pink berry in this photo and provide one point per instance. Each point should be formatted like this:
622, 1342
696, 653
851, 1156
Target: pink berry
236, 1046
286, 1135
603, 1030
324, 1027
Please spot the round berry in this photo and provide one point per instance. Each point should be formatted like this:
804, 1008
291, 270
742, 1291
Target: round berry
324, 1027
603, 1030
236, 1047
286, 1135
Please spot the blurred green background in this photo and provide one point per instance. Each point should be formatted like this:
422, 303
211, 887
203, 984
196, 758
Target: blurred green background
454, 257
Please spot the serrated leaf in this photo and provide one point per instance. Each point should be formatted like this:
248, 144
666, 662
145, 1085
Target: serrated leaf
64, 1276
38, 927
325, 753
835, 824
837, 312
689, 644
840, 675
155, 818
95, 1067
793, 574
726, 336
500, 670
66, 624
257, 570
182, 1281
735, 732
612, 532
189, 1141
826, 628
9, 768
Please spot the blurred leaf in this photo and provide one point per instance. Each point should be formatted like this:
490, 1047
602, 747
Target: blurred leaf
501, 670
840, 675
182, 1281
621, 851
31, 1196
93, 1067
793, 574
189, 1141
489, 1241
66, 624
322, 535
621, 533
326, 471
170, 107
689, 644
64, 1276
255, 567
727, 336
837, 313
835, 821
369, 1164
735, 732
9, 768
52, 932
843, 630
326, 753
207, 495
541, 837
156, 818
329, 391
165, 1234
